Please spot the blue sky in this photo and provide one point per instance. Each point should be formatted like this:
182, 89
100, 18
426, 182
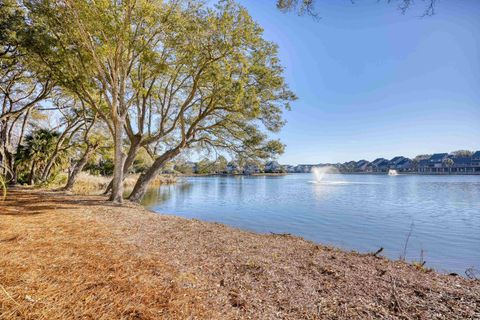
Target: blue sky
372, 82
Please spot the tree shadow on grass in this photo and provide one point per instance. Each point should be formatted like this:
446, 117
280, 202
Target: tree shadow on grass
22, 202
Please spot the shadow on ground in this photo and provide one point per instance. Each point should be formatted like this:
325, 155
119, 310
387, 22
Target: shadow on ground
25, 202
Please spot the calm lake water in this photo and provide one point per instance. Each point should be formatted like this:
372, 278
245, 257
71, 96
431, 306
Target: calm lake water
357, 212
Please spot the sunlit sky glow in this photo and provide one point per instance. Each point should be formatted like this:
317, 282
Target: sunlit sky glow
372, 82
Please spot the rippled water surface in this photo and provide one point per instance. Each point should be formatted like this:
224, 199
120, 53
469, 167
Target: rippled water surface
358, 212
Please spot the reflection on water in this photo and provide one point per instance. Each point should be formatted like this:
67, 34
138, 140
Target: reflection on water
360, 212
155, 196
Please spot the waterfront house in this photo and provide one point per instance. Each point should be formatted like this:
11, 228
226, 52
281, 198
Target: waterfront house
349, 166
273, 167
422, 165
400, 163
462, 165
393, 163
362, 166
438, 163
444, 163
380, 165
405, 165
476, 158
438, 158
434, 164
233, 168
337, 166
251, 168
466, 164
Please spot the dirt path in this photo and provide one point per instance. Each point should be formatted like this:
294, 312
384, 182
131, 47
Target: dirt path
70, 257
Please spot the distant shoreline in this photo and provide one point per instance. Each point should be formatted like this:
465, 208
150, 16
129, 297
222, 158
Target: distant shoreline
345, 173
411, 173
232, 175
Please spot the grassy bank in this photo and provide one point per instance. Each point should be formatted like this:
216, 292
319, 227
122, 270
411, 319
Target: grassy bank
79, 257
88, 184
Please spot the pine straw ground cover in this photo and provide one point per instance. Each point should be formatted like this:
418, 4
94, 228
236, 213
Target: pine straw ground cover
72, 257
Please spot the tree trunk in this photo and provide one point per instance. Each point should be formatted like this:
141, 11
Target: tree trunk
5, 161
20, 142
47, 169
5, 155
144, 180
132, 153
2, 160
51, 160
72, 178
9, 166
119, 158
31, 179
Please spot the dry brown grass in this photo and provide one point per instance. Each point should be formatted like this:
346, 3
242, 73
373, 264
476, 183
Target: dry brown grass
88, 184
72, 257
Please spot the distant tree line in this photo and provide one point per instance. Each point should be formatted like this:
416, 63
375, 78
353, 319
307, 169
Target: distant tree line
221, 165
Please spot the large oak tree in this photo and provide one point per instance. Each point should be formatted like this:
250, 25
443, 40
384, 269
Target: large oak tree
223, 89
92, 48
173, 76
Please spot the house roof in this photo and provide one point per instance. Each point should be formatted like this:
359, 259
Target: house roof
379, 160
423, 162
438, 157
462, 160
403, 161
384, 162
362, 162
397, 159
476, 155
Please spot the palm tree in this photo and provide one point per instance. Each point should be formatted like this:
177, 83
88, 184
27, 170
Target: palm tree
35, 151
448, 163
